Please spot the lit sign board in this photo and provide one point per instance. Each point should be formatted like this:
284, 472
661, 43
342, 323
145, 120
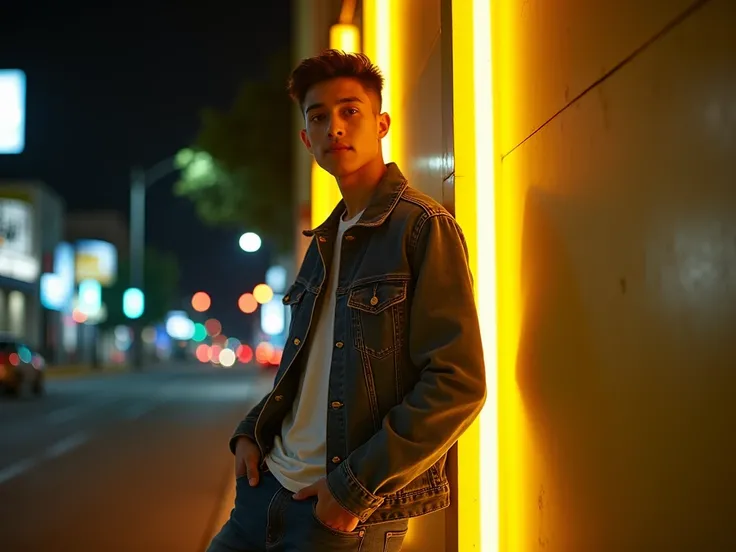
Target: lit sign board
57, 287
12, 111
96, 260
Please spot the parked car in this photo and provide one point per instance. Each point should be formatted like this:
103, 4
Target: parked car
21, 368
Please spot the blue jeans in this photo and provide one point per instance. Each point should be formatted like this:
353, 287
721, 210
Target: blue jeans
267, 519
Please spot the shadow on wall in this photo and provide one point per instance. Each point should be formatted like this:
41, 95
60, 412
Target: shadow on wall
556, 377
625, 447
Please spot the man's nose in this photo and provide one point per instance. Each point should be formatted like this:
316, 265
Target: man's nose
336, 129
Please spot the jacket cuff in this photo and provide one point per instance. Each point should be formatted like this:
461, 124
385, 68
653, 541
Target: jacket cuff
351, 494
246, 428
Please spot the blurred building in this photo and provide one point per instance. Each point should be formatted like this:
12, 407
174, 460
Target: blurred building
587, 152
31, 226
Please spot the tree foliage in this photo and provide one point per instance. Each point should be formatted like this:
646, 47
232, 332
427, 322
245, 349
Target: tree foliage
238, 172
161, 281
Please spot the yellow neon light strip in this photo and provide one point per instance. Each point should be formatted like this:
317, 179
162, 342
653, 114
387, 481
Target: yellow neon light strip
486, 269
478, 492
468, 447
384, 23
345, 37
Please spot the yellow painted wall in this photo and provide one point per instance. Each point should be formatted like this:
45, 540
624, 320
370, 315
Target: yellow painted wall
616, 205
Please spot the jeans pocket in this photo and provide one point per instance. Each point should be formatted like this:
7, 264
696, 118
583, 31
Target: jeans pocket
355, 536
393, 541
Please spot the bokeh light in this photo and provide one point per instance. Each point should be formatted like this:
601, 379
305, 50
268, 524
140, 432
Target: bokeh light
203, 353
213, 327
79, 317
247, 303
215, 351
250, 242
263, 293
200, 332
201, 301
227, 358
264, 352
232, 343
244, 354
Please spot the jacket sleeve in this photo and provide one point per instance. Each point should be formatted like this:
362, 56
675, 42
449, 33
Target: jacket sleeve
445, 345
247, 427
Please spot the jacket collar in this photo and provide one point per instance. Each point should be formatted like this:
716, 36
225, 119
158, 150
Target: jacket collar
384, 200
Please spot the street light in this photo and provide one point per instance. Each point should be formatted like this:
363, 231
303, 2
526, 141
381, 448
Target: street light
250, 242
140, 180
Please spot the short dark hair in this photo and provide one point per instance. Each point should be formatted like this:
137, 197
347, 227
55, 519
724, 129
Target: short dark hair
332, 64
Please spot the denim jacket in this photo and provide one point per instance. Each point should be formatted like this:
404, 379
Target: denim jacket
407, 375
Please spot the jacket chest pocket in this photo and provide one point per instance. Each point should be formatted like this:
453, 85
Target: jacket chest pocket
293, 299
378, 311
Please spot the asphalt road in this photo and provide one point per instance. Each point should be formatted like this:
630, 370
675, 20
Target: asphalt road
121, 462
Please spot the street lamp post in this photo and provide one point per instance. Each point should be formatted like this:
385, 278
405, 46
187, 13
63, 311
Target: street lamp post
140, 181
137, 225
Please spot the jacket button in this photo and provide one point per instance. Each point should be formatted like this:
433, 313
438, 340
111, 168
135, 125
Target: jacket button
278, 398
336, 404
297, 341
336, 459
322, 239
286, 297
349, 237
374, 300
339, 344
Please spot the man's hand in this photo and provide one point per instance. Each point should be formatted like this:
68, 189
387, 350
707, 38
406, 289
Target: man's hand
247, 460
329, 510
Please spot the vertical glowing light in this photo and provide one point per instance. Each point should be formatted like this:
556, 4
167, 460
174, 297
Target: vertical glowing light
378, 26
486, 267
345, 37
478, 492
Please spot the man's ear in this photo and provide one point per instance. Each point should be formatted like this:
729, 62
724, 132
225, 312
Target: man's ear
384, 123
305, 139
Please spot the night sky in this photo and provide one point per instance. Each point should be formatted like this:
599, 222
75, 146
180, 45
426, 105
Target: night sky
108, 88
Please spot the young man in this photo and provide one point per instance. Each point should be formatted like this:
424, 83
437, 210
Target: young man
383, 368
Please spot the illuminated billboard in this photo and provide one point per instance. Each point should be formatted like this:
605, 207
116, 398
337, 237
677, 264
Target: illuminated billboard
96, 260
12, 111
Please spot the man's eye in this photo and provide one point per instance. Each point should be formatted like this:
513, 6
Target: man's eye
316, 118
351, 110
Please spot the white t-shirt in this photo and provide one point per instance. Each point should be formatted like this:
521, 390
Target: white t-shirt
299, 454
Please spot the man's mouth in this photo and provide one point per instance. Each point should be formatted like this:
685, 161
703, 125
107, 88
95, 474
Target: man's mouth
340, 147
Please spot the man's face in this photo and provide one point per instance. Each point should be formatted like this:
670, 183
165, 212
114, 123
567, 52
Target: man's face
343, 125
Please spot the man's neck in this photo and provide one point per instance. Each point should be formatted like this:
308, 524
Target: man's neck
357, 188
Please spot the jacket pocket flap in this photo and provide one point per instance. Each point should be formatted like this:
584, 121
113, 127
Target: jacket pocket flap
294, 294
377, 297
